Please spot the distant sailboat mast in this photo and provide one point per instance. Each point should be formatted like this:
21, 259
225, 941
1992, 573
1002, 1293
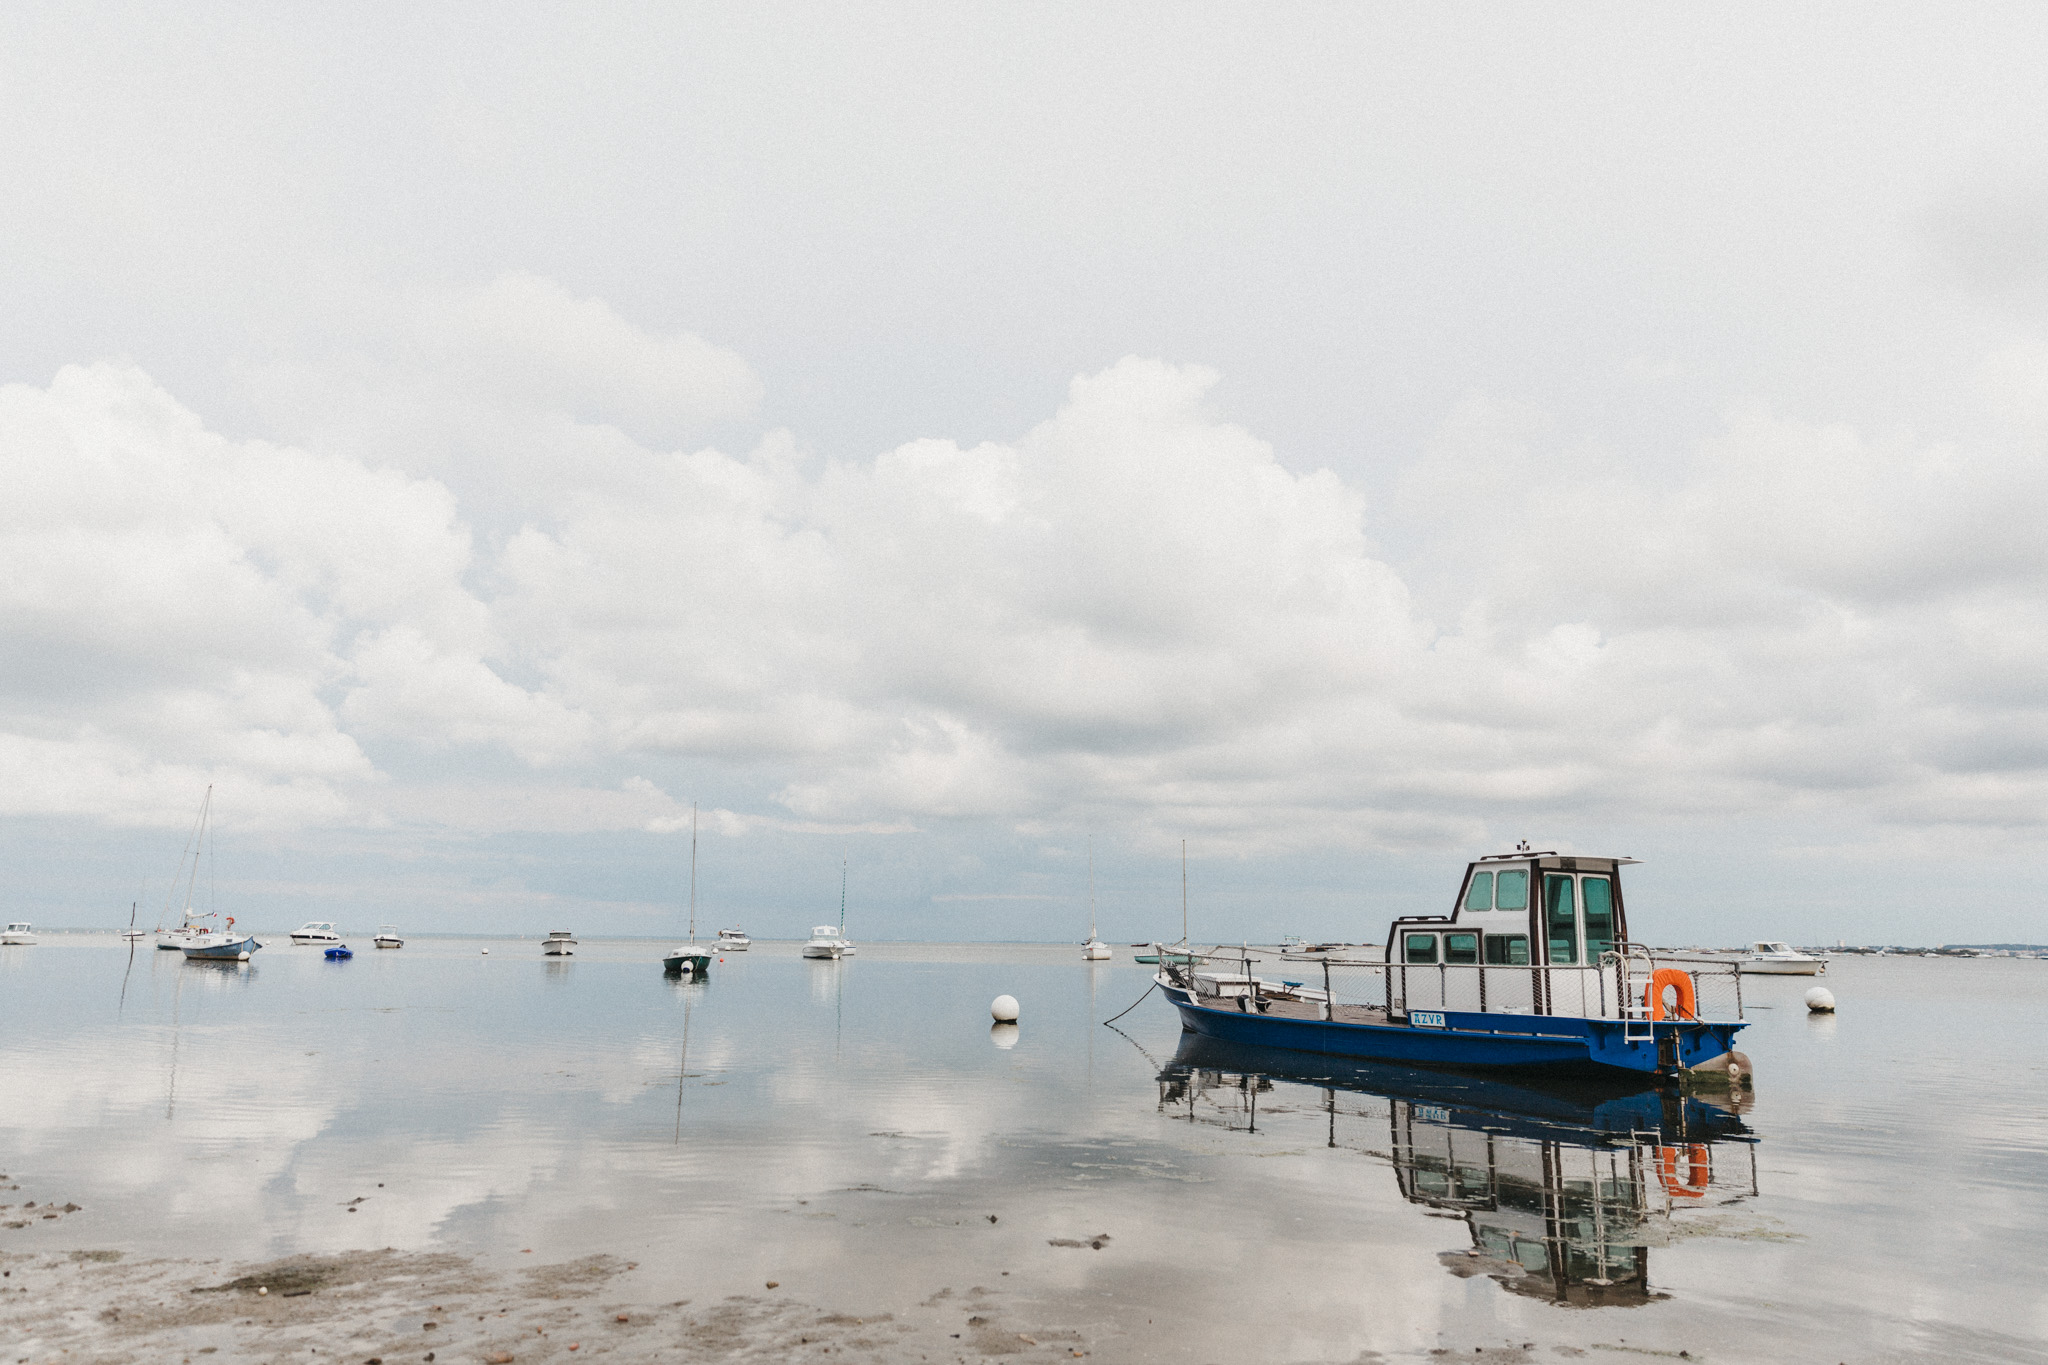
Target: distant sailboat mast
1092, 935
192, 882
842, 893
693, 873
1184, 893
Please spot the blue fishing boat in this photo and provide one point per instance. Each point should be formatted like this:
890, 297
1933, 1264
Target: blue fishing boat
1533, 969
338, 953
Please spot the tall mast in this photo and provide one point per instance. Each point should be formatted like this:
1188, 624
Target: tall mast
199, 839
1091, 888
842, 893
1183, 892
693, 872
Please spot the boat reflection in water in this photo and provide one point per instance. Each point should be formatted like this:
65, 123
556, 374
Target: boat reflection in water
1564, 1188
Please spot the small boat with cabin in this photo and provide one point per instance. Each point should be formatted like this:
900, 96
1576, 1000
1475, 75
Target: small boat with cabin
1778, 959
387, 937
1533, 969
733, 941
825, 943
559, 943
18, 935
316, 931
221, 945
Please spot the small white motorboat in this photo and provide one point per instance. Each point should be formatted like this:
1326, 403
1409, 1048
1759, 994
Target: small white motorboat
826, 943
387, 937
1778, 959
18, 934
733, 941
315, 931
559, 944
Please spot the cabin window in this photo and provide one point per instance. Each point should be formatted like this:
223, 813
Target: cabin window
1461, 950
1598, 893
1513, 891
1507, 950
1421, 947
1480, 896
1561, 920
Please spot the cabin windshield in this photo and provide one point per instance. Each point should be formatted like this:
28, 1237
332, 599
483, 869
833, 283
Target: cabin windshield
1599, 897
831, 931
1561, 920
1480, 895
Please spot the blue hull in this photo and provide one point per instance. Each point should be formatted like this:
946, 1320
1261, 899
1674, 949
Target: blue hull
1509, 1041
223, 952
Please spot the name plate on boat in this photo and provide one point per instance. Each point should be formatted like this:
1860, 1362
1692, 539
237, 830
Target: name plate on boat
1425, 1019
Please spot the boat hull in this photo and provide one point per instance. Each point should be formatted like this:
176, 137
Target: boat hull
822, 954
695, 963
233, 950
1532, 1042
389, 942
1766, 967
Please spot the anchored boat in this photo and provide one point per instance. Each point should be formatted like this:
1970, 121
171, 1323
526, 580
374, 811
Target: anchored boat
690, 960
222, 945
1778, 959
1532, 969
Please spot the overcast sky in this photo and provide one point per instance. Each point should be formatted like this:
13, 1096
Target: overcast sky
1348, 439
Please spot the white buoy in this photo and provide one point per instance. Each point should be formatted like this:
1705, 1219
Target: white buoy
487, 952
1003, 1035
1003, 1009
1820, 1000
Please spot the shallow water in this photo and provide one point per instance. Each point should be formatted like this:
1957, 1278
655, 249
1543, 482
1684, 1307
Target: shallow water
858, 1132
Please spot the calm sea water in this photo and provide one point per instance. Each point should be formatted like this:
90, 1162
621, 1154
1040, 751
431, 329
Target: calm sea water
849, 1129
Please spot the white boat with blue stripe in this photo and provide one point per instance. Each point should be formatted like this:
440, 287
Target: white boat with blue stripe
1533, 969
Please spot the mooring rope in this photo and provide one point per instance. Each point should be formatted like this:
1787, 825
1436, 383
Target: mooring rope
1133, 1005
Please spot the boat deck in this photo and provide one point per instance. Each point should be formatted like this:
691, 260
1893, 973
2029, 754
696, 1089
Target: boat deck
1299, 1009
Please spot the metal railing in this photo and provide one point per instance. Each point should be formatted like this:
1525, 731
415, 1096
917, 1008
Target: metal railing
1616, 987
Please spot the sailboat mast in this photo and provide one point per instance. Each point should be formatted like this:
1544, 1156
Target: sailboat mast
693, 872
1183, 892
842, 894
1091, 888
192, 883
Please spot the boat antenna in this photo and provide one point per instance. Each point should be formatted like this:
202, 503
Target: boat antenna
1091, 888
1184, 893
693, 872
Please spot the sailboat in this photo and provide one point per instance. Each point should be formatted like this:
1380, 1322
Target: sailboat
690, 960
1094, 950
200, 944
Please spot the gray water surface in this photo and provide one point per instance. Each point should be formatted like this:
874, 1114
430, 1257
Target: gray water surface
857, 1132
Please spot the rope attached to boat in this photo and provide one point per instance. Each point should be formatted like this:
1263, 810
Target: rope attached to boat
1133, 1005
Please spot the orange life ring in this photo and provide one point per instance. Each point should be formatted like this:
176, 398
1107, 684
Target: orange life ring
1697, 1172
1688, 999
